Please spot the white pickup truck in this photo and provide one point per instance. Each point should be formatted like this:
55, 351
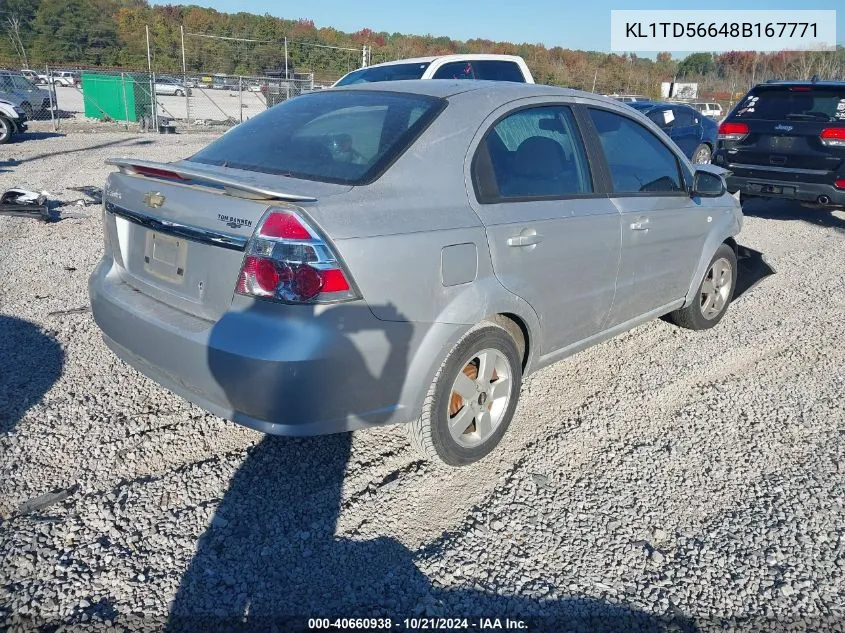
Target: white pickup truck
471, 66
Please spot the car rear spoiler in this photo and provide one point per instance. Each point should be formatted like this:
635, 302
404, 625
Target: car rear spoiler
239, 187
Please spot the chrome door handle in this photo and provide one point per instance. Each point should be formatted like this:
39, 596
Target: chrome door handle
525, 239
640, 225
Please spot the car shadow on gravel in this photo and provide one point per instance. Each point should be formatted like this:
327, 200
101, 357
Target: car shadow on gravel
752, 268
124, 142
30, 363
774, 209
271, 556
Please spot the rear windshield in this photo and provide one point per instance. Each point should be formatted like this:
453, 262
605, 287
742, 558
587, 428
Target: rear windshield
798, 103
391, 72
347, 137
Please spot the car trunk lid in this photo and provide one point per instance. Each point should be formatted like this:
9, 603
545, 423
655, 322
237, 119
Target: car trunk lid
178, 231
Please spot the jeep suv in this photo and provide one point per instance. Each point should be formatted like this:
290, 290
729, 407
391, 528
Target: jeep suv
786, 139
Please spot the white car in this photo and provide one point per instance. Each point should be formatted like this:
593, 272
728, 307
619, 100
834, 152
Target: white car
169, 86
34, 77
471, 66
712, 110
66, 78
629, 98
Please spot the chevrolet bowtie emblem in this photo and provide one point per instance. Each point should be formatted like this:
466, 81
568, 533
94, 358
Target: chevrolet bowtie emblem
153, 199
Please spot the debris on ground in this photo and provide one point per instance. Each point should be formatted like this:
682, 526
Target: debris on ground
91, 195
27, 204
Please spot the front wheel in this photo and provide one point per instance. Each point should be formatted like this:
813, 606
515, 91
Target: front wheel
472, 399
179, 93
715, 293
702, 155
6, 128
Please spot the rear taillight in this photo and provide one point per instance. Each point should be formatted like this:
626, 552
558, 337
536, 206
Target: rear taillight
733, 131
833, 137
287, 260
839, 183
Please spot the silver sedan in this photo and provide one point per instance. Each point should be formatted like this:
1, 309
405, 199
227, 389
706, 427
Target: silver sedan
406, 252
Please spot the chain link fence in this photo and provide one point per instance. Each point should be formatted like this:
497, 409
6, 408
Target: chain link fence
173, 100
213, 81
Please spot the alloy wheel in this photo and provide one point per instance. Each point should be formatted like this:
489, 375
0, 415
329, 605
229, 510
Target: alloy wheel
716, 288
702, 156
479, 398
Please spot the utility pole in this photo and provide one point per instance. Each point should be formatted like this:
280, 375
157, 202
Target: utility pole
152, 80
286, 58
185, 77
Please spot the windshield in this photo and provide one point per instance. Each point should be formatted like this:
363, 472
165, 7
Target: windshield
346, 137
799, 103
391, 72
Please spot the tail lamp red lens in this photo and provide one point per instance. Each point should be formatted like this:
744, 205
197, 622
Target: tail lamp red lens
153, 172
839, 183
285, 226
733, 131
288, 261
833, 136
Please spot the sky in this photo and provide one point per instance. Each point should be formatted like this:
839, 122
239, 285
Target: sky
581, 24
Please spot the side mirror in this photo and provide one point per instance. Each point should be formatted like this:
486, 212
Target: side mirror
707, 185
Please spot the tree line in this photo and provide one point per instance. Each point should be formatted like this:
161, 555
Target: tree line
112, 34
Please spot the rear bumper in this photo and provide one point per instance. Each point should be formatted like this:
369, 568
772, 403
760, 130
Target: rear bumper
790, 189
289, 370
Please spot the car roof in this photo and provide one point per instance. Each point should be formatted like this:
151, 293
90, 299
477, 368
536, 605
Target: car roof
447, 58
647, 105
793, 82
502, 91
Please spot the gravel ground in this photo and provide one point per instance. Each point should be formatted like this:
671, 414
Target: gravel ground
664, 475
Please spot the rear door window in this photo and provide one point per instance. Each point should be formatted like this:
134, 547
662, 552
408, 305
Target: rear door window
796, 103
342, 136
498, 70
532, 153
490, 69
455, 70
683, 117
638, 160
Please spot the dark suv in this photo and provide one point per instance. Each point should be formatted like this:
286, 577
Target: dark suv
786, 139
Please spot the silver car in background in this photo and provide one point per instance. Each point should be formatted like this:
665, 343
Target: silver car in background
406, 252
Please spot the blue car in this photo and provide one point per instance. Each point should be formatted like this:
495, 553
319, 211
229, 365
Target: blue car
693, 132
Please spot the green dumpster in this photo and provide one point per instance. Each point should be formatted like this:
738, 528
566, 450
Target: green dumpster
118, 96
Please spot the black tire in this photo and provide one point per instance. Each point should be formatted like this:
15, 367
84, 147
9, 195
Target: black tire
28, 111
6, 130
430, 435
702, 155
693, 316
179, 93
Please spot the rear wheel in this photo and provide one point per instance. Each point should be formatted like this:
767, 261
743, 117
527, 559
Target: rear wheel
701, 155
5, 130
28, 111
179, 93
472, 399
715, 293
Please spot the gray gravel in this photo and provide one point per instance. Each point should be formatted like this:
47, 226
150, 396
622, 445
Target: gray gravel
664, 474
